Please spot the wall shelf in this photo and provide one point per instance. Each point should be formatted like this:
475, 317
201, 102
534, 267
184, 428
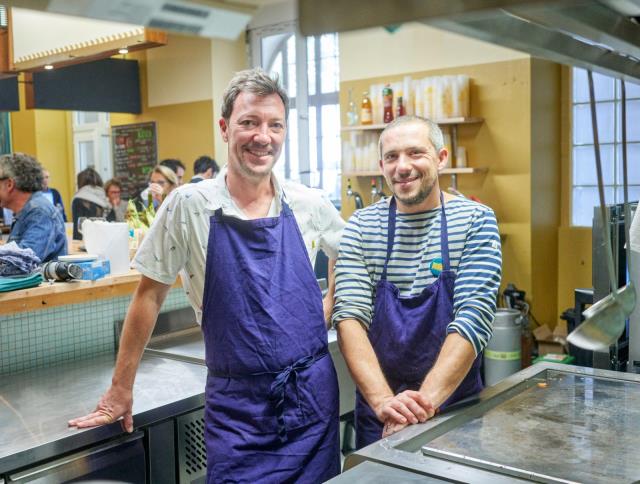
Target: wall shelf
446, 121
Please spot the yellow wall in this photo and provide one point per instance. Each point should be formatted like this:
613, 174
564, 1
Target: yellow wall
184, 131
546, 188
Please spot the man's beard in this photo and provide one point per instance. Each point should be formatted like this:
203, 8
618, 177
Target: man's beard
421, 196
246, 168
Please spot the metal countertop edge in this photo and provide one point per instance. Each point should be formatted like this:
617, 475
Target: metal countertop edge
77, 440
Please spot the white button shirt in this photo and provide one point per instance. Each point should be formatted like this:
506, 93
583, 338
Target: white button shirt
177, 241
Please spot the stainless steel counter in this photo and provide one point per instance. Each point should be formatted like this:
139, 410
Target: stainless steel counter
35, 406
547, 423
188, 345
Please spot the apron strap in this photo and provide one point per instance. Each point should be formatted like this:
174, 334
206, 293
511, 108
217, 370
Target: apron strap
278, 388
444, 236
391, 234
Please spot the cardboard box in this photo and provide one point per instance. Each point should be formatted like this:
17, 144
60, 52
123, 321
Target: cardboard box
551, 341
93, 270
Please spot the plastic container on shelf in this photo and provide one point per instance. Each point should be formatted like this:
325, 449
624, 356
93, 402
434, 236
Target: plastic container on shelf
461, 157
447, 96
460, 97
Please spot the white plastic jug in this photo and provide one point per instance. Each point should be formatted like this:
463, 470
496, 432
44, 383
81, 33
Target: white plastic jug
109, 240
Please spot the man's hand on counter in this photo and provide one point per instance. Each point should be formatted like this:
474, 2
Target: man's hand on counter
116, 403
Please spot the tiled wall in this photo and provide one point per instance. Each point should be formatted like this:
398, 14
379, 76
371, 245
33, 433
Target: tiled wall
36, 339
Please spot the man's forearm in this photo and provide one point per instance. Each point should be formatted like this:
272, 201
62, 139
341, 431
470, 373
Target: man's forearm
362, 362
453, 364
327, 301
138, 326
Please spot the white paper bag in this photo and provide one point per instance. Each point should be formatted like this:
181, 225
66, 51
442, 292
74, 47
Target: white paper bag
109, 240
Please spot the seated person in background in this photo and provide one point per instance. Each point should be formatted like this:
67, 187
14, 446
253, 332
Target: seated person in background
204, 168
53, 194
113, 190
162, 181
90, 200
38, 224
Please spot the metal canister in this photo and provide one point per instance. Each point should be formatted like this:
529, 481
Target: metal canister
502, 355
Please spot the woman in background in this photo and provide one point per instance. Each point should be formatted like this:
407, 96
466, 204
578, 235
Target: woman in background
90, 200
113, 190
162, 181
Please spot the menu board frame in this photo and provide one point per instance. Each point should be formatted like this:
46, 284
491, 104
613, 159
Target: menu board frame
135, 153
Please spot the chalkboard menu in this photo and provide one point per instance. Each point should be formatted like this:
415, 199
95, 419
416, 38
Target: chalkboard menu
135, 153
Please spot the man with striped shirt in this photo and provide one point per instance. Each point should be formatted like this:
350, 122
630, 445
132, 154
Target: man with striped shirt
416, 285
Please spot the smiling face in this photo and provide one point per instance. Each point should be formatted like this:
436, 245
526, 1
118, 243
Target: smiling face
255, 132
410, 165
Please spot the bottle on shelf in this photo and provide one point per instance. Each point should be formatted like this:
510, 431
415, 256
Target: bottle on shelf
387, 103
366, 114
400, 108
352, 112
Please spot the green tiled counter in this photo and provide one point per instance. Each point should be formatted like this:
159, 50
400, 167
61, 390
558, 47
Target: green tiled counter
37, 338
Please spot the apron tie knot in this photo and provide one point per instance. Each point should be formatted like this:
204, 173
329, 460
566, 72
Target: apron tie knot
279, 385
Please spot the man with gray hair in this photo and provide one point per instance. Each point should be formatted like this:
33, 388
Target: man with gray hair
244, 244
38, 225
416, 285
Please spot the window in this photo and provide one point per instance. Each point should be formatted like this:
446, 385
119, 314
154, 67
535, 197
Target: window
92, 143
584, 189
309, 69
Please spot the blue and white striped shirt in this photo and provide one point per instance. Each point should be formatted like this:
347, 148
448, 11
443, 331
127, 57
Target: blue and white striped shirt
474, 252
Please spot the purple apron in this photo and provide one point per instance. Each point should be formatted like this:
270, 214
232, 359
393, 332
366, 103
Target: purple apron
271, 410
407, 334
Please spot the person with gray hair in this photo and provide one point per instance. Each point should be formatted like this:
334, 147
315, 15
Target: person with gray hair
244, 244
37, 225
416, 285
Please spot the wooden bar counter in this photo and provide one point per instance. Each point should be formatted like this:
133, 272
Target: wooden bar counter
52, 294
48, 295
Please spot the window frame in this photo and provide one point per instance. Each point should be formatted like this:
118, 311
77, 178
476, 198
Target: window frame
302, 102
616, 184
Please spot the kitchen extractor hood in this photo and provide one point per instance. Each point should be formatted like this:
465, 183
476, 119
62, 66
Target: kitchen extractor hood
600, 35
207, 18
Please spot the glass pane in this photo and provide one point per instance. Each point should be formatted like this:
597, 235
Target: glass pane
290, 82
311, 65
634, 194
329, 63
85, 155
313, 139
271, 49
277, 67
105, 158
633, 127
86, 117
584, 200
633, 164
279, 168
292, 136
633, 90
604, 86
582, 130
330, 135
584, 165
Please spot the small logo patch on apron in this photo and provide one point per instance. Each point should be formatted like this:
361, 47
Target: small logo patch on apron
436, 266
